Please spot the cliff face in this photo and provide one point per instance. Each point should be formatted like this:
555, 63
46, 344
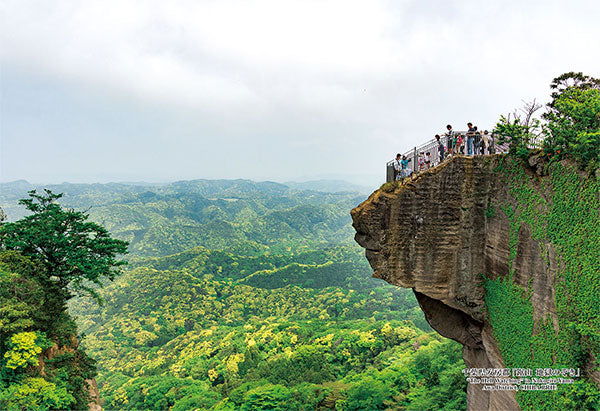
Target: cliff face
439, 235
90, 385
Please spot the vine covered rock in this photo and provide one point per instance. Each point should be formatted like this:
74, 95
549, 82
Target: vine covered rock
502, 259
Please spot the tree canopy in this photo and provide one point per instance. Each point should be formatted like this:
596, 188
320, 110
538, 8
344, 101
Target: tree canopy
73, 251
570, 126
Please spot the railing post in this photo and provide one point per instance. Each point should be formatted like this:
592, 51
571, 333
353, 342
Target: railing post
415, 160
389, 172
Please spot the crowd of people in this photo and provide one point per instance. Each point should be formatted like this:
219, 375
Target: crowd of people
451, 143
473, 142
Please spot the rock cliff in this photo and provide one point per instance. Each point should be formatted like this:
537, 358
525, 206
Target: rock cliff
50, 354
440, 234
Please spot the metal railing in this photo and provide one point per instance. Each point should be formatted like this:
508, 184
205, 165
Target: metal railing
431, 147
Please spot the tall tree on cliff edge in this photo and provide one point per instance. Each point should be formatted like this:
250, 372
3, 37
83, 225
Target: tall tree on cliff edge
46, 258
72, 252
571, 79
573, 118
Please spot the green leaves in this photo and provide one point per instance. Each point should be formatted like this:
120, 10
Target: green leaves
574, 125
24, 348
571, 127
565, 215
21, 296
35, 394
45, 258
72, 250
520, 130
518, 134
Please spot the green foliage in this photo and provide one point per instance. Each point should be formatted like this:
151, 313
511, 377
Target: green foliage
244, 363
164, 392
366, 394
258, 301
571, 127
35, 394
71, 249
490, 211
572, 224
21, 296
43, 258
428, 378
574, 124
269, 397
71, 369
308, 363
568, 80
520, 132
569, 220
581, 395
24, 348
23, 330
507, 301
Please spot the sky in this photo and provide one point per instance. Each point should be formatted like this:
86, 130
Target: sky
159, 91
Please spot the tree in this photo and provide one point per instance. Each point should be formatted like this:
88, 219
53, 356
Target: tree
71, 253
367, 394
20, 295
566, 81
46, 258
522, 130
574, 125
571, 123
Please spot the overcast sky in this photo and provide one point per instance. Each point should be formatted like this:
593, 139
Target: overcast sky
97, 91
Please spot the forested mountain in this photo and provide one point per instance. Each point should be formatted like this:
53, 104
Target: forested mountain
243, 295
166, 219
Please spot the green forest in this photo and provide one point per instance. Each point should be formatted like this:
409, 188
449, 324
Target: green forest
235, 295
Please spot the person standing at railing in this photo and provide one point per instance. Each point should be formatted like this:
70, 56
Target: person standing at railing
490, 143
440, 147
476, 141
450, 140
404, 166
421, 161
398, 167
459, 147
470, 135
485, 142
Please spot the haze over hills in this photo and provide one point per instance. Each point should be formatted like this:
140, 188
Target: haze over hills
332, 186
81, 194
170, 218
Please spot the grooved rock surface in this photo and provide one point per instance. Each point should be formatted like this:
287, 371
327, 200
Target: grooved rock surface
433, 235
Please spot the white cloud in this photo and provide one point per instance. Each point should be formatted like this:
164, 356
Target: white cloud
356, 79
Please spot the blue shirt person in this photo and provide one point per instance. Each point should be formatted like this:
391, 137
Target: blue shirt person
404, 165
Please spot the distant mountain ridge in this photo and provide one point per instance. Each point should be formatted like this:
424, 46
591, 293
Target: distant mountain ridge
166, 219
14, 190
329, 186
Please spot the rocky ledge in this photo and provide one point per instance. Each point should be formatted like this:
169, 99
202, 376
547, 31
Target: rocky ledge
437, 235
